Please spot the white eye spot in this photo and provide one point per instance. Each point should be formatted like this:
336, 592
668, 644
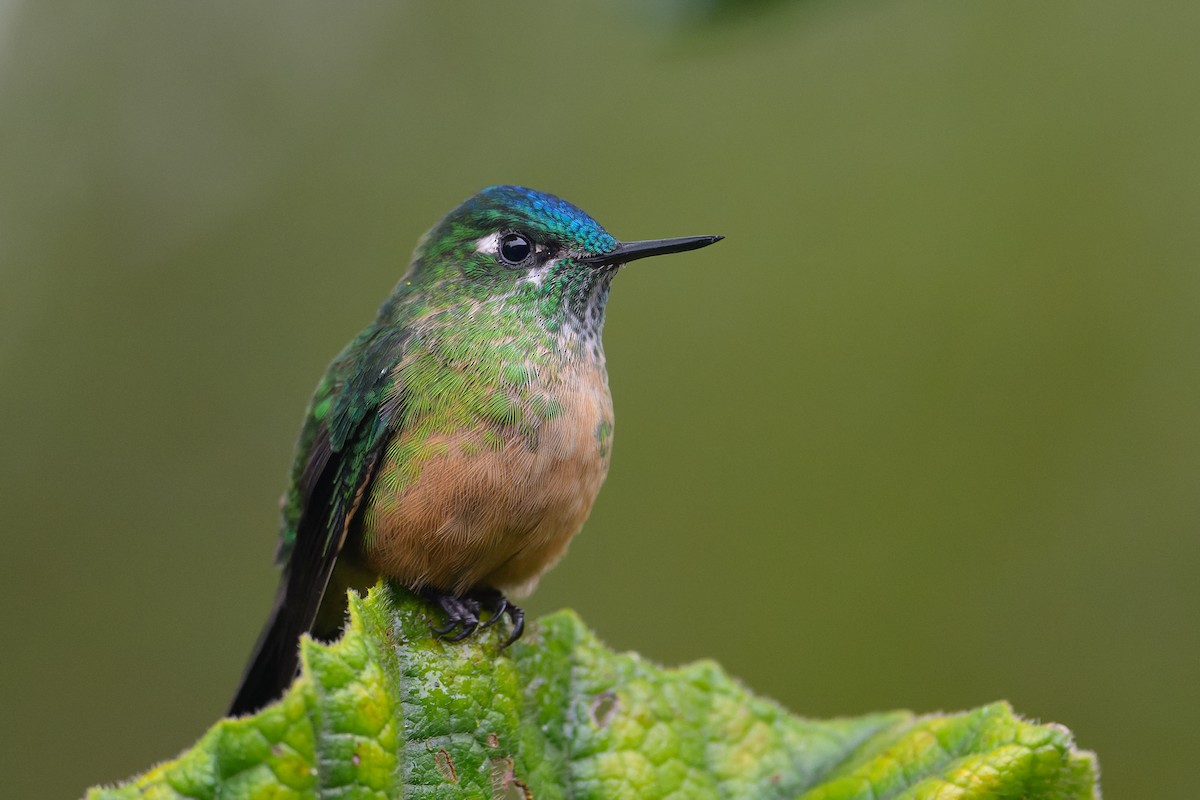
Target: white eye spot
488, 244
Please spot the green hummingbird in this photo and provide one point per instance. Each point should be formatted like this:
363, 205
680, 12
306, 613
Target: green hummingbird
458, 442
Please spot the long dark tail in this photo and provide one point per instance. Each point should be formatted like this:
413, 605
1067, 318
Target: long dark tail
274, 661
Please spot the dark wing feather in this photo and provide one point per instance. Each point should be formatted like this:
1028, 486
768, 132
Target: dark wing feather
347, 431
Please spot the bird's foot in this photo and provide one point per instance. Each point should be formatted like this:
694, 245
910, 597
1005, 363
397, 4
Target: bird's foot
499, 606
462, 614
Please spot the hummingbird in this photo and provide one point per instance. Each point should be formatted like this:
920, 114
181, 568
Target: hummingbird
458, 442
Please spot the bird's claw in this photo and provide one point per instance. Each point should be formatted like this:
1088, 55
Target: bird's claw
497, 610
462, 614
517, 615
500, 606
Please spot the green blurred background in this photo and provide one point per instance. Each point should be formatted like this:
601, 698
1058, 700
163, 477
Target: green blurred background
923, 432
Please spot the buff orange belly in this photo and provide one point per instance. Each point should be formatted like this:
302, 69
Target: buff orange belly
493, 508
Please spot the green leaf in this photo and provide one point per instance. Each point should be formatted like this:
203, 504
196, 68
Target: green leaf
389, 712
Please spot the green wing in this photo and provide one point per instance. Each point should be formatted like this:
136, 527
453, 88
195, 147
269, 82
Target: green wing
357, 405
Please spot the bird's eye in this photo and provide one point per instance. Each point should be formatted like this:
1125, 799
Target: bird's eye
515, 248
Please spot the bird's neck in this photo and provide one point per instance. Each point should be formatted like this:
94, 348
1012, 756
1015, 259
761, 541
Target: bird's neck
545, 323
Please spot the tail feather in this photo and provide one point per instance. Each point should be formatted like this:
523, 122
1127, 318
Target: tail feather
274, 661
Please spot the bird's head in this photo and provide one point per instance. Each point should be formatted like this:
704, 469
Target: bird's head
513, 242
